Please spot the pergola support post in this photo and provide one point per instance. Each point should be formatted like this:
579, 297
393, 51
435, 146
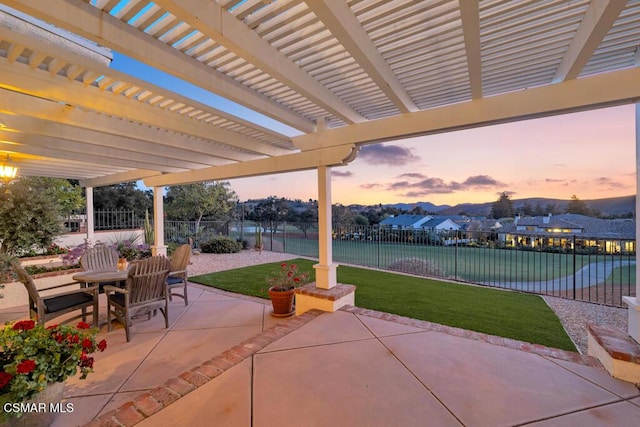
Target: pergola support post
325, 294
90, 239
158, 248
618, 352
634, 302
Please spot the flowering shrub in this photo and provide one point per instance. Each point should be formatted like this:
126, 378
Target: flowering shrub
130, 250
287, 277
32, 356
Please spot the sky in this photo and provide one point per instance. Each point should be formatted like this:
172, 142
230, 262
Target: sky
589, 154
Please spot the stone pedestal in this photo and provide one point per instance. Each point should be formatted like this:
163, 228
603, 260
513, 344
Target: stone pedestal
310, 297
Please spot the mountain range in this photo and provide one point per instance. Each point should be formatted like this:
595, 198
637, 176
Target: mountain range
614, 206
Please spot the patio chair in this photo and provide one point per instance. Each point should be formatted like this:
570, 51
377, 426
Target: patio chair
145, 291
43, 308
177, 279
99, 257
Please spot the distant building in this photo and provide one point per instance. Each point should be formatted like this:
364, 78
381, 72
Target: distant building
611, 235
405, 222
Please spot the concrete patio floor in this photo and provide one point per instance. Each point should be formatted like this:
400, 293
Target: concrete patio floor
236, 365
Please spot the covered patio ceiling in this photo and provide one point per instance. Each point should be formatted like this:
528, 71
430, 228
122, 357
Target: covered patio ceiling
343, 73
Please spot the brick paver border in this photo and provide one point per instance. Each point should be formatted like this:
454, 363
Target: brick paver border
478, 336
150, 402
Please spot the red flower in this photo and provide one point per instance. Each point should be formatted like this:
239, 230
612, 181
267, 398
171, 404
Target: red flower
102, 345
82, 325
293, 266
296, 279
26, 366
5, 378
52, 327
289, 274
24, 325
284, 264
87, 362
87, 343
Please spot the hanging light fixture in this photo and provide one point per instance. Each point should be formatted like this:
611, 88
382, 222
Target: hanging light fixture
7, 171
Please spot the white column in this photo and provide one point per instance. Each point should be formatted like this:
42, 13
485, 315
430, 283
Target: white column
90, 239
326, 277
158, 222
634, 302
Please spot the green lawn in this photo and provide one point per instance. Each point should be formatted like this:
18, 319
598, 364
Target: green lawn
507, 314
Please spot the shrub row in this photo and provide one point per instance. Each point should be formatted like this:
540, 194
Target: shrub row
220, 245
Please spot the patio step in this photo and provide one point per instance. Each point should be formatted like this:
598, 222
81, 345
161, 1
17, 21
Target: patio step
616, 350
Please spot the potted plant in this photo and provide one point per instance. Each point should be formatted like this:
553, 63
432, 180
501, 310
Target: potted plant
282, 284
34, 363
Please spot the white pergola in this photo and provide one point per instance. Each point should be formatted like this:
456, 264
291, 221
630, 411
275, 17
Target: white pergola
343, 73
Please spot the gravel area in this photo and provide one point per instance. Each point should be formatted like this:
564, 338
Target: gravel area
211, 263
574, 315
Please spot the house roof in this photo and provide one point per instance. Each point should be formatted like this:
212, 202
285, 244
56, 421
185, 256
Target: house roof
436, 221
340, 73
404, 220
584, 225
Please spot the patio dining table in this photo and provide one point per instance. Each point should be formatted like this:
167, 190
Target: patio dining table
101, 276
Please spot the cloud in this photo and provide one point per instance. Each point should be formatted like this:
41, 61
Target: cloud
481, 181
431, 185
392, 155
371, 186
412, 175
342, 174
609, 183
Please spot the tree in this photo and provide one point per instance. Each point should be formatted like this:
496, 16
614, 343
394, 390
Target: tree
30, 213
577, 206
503, 207
125, 196
193, 202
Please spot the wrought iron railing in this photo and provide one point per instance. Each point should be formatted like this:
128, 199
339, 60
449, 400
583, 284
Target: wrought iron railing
578, 267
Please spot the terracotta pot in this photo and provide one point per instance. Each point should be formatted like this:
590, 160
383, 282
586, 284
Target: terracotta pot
282, 302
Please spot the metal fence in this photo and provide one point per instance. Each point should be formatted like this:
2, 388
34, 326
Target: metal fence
578, 267
104, 220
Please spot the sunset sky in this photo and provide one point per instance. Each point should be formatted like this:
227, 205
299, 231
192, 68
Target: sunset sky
589, 154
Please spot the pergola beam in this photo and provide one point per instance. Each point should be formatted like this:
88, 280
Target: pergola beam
118, 178
346, 28
335, 156
470, 16
212, 20
41, 84
88, 21
598, 91
20, 104
596, 24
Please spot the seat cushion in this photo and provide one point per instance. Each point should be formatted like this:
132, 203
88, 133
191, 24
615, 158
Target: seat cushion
117, 298
171, 280
66, 301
